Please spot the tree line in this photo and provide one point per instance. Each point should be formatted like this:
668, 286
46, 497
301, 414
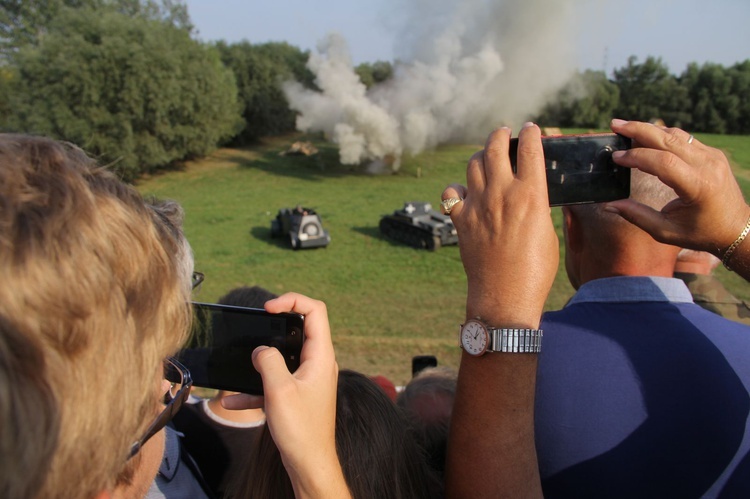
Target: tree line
707, 98
128, 81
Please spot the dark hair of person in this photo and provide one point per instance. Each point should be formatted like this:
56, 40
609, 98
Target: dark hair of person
427, 401
379, 455
246, 296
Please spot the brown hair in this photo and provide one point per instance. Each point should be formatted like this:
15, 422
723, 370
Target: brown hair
28, 415
96, 276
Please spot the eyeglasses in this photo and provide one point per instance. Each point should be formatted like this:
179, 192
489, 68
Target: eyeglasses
174, 372
198, 278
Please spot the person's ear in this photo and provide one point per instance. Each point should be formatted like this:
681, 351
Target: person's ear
572, 230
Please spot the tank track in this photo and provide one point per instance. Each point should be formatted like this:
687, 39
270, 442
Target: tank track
409, 234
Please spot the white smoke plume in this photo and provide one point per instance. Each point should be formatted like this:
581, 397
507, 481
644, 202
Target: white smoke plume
464, 68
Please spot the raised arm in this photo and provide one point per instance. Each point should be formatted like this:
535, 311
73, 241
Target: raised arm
711, 213
301, 407
510, 253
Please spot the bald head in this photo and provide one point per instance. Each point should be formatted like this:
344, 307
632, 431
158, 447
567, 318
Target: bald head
602, 244
696, 262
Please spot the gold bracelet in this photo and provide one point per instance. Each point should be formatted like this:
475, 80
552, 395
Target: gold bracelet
734, 245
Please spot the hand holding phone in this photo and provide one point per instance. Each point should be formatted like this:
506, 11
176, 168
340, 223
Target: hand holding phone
421, 362
580, 168
219, 352
301, 407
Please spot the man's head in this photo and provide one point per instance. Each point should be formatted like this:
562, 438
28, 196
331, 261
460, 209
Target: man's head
601, 244
696, 262
99, 281
427, 401
247, 296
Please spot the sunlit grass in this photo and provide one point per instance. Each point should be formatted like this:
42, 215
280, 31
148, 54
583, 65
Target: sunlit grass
386, 302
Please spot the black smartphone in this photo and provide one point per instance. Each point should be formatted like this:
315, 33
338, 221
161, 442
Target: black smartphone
421, 362
580, 168
219, 351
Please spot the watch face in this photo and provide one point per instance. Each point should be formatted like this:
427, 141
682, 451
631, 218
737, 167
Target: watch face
474, 338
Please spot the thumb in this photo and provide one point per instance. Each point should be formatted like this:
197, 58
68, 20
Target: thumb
269, 362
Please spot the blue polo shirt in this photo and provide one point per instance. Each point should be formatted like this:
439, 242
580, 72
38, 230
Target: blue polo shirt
641, 393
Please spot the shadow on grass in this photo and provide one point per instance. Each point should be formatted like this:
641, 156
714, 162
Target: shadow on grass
370, 231
264, 234
374, 232
270, 157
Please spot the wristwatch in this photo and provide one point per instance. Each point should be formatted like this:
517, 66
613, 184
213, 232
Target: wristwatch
476, 338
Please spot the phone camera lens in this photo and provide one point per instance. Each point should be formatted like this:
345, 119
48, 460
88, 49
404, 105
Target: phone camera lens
604, 158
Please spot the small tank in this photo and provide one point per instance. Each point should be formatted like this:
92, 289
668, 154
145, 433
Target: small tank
302, 226
419, 226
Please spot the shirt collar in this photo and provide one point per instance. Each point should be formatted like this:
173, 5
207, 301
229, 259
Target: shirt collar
633, 289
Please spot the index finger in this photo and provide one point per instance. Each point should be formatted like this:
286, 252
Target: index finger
674, 140
318, 342
531, 155
660, 152
497, 167
670, 169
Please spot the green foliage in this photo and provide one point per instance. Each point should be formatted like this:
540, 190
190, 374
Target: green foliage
708, 98
137, 92
6, 78
720, 97
372, 74
649, 91
260, 71
587, 101
24, 22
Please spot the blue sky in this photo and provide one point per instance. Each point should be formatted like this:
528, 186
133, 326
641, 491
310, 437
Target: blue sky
605, 34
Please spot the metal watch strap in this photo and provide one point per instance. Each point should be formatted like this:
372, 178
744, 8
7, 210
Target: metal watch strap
515, 340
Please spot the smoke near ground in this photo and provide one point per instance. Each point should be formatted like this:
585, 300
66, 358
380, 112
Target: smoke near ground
464, 68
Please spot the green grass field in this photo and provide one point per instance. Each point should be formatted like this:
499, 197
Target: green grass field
386, 302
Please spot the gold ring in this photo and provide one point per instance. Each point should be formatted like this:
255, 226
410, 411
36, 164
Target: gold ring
690, 139
449, 203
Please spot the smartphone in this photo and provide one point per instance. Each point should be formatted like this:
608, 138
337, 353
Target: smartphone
219, 351
421, 362
580, 168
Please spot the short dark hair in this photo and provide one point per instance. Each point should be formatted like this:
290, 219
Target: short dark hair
246, 296
427, 401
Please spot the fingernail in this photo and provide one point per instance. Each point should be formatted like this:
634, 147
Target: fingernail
619, 122
618, 154
528, 124
258, 350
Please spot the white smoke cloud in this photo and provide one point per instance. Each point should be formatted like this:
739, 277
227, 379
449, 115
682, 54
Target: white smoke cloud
464, 68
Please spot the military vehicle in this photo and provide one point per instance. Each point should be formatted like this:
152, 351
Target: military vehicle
302, 226
419, 226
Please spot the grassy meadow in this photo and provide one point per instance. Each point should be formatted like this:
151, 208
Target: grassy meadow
387, 302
